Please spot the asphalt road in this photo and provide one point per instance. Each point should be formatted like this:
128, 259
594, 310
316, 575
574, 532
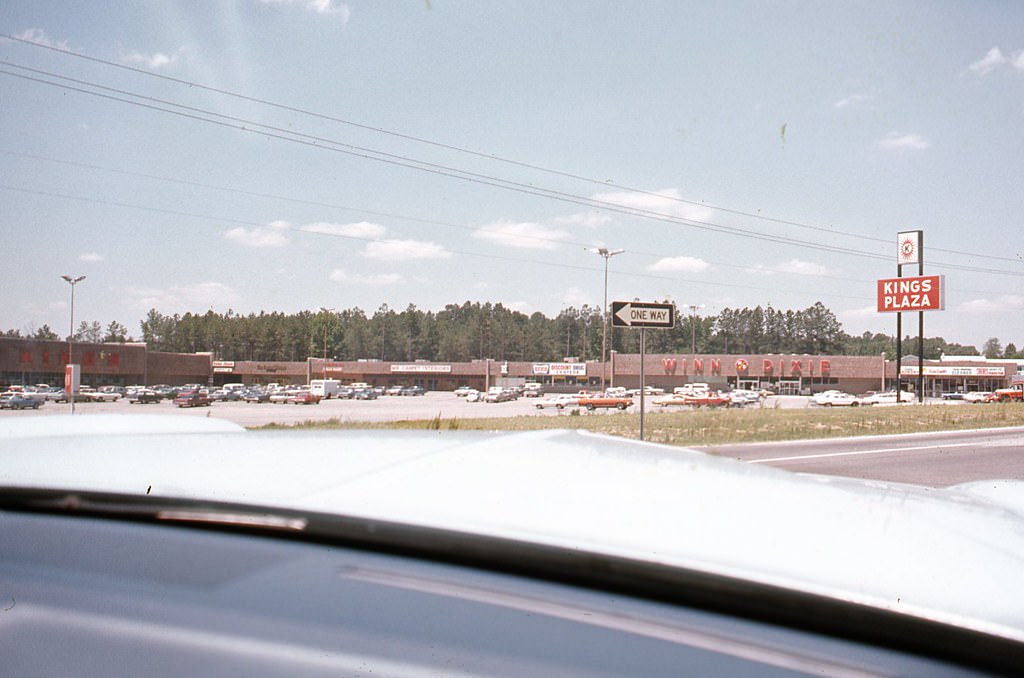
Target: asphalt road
931, 459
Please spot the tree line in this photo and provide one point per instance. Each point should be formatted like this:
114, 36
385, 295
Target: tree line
474, 330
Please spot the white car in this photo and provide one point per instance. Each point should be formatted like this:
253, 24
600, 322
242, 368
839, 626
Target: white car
463, 391
99, 396
559, 401
889, 398
738, 397
976, 396
836, 399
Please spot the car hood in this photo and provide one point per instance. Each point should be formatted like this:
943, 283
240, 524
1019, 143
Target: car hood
953, 555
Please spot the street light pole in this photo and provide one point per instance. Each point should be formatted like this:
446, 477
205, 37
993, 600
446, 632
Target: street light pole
71, 281
607, 254
693, 328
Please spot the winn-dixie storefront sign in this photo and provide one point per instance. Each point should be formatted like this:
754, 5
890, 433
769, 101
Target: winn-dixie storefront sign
921, 293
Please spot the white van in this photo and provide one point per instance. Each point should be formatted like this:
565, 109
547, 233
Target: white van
325, 388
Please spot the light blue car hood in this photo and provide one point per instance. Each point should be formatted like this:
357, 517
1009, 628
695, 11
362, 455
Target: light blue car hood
953, 555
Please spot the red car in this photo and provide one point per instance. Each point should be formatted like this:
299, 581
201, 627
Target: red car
707, 399
305, 398
192, 399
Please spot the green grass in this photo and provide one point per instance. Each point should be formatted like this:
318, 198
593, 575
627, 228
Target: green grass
724, 426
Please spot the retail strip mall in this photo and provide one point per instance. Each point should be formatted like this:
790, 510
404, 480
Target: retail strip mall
26, 361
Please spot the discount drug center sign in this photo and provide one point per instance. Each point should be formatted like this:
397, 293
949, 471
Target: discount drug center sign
921, 293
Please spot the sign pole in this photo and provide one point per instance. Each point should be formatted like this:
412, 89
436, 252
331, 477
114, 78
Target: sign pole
643, 380
641, 315
920, 324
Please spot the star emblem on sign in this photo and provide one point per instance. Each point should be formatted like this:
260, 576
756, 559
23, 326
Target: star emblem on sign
907, 248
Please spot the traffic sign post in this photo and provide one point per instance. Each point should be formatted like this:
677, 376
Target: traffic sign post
642, 315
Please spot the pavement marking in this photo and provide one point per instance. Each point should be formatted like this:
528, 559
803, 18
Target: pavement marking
860, 452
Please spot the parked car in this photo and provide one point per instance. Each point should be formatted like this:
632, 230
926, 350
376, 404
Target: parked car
18, 401
836, 399
497, 394
256, 395
393, 390
604, 401
558, 401
192, 399
281, 396
533, 390
977, 396
413, 391
99, 395
304, 398
740, 397
364, 394
143, 396
889, 398
463, 391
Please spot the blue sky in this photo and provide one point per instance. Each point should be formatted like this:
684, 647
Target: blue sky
287, 155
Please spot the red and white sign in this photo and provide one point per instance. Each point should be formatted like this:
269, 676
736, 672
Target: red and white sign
908, 247
921, 293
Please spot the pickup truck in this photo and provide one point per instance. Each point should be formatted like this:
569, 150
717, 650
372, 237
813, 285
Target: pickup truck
595, 401
1004, 395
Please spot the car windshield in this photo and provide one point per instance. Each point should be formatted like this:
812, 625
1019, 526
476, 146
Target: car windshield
778, 236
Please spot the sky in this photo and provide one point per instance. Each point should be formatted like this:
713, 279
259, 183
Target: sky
289, 155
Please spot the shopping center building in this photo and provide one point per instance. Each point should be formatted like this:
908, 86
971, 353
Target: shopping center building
26, 361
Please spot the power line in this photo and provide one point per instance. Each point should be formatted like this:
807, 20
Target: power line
246, 125
832, 232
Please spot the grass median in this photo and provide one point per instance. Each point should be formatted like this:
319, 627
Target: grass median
724, 426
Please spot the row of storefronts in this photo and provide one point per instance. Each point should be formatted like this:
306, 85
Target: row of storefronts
24, 361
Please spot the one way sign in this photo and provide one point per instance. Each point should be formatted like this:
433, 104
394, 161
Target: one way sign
643, 314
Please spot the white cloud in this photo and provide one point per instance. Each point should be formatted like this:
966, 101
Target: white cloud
90, 256
850, 101
340, 276
324, 7
404, 250
1018, 61
993, 59
38, 36
183, 297
156, 60
361, 229
901, 142
1003, 303
679, 265
525, 235
793, 266
667, 202
271, 235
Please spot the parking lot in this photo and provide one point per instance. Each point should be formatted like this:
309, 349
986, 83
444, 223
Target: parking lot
386, 408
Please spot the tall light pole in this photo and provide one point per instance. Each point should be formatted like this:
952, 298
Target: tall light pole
70, 387
693, 328
325, 310
607, 254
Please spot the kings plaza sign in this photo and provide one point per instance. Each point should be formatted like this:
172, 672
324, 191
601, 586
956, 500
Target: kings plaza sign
921, 293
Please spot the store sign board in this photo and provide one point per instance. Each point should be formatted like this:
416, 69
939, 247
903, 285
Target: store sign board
561, 369
420, 367
949, 371
919, 293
